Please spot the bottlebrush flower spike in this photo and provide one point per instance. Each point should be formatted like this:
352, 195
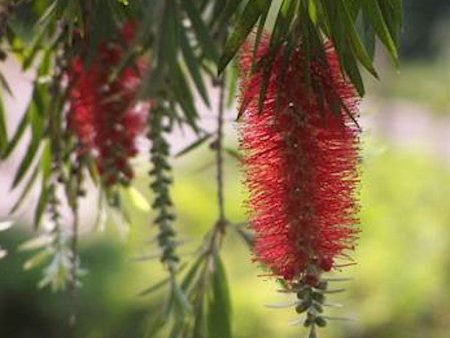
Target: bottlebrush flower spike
104, 114
301, 163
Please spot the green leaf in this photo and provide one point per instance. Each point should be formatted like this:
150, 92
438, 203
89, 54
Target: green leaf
45, 164
26, 190
393, 16
35, 243
17, 135
46, 161
155, 287
181, 300
280, 34
165, 50
32, 149
161, 318
192, 272
258, 37
234, 154
286, 15
36, 260
201, 31
49, 12
351, 67
41, 29
219, 307
252, 12
356, 43
367, 34
183, 96
42, 204
227, 12
3, 130
137, 199
233, 80
200, 328
5, 85
193, 66
373, 12
193, 145
36, 117
177, 329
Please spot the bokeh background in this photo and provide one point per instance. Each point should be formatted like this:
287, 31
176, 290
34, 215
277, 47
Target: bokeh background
401, 283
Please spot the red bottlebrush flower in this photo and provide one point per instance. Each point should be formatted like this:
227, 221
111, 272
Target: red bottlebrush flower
301, 162
105, 115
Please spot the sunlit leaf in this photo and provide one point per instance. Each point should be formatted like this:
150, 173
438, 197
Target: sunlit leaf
219, 307
35, 243
137, 199
36, 260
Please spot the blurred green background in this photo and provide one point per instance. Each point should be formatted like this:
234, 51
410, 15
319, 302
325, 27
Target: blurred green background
401, 282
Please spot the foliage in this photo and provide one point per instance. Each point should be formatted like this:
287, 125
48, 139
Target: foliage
184, 44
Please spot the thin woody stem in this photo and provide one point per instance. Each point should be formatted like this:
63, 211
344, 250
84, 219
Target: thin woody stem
74, 244
74, 248
219, 227
219, 155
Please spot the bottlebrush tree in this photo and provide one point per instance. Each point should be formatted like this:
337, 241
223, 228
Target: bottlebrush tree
108, 71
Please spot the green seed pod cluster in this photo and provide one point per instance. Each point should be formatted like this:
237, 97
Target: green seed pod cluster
161, 181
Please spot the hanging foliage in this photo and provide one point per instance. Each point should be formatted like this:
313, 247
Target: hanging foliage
108, 71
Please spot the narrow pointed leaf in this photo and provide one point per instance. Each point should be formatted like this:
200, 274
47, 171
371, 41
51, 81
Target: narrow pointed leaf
227, 13
184, 97
192, 272
154, 287
201, 31
3, 130
356, 43
373, 12
193, 145
219, 308
5, 85
252, 12
17, 136
193, 66
36, 260
25, 164
25, 190
35, 243
41, 206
